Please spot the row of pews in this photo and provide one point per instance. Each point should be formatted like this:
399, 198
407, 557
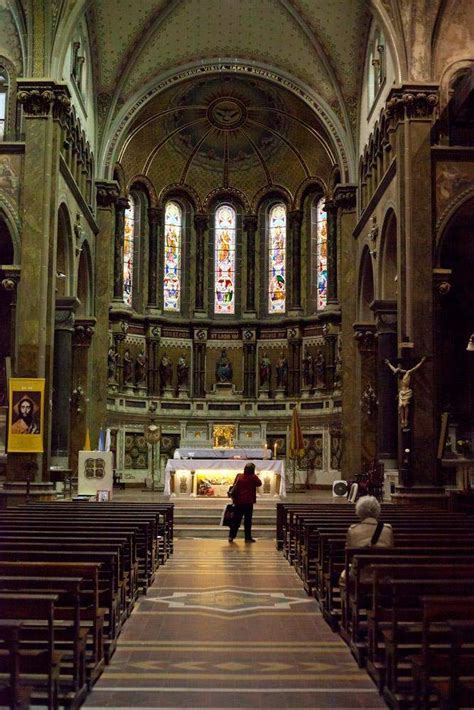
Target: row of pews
406, 613
70, 574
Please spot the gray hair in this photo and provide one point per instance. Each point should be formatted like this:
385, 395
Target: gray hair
367, 507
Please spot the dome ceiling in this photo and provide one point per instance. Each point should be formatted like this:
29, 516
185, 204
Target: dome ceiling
318, 43
227, 131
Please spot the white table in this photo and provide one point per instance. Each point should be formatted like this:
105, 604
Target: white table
225, 468
194, 453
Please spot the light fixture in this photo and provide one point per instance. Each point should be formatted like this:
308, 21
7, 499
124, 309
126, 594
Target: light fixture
470, 344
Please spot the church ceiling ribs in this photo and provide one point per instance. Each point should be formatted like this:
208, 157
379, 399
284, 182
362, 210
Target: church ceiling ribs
193, 154
159, 145
287, 143
260, 157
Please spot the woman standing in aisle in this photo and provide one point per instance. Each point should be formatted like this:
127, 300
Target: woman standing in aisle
244, 495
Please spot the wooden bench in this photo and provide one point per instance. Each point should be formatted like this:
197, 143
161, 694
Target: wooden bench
13, 692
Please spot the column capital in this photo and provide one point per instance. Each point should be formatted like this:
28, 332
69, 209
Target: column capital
65, 309
201, 222
122, 204
345, 197
107, 193
442, 281
84, 329
330, 205
43, 97
154, 215
250, 222
408, 101
10, 277
364, 333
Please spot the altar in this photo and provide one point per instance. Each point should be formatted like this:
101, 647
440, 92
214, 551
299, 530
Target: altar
212, 477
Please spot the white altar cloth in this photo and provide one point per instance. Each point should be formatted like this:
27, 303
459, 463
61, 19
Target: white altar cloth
237, 453
277, 467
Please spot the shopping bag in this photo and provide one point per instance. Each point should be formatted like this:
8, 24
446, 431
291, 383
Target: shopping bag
227, 515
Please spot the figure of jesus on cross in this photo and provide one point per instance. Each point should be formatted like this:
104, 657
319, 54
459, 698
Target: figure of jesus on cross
405, 392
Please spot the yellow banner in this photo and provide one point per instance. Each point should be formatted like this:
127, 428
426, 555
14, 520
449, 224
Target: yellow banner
26, 415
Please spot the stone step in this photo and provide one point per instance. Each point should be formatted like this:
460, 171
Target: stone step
218, 532
213, 518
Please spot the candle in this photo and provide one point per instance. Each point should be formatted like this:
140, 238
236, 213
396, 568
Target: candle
275, 447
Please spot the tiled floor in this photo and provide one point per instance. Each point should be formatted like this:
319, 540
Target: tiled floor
230, 626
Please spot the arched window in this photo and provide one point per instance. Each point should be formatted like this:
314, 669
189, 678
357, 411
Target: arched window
224, 260
319, 227
172, 257
128, 251
277, 259
3, 102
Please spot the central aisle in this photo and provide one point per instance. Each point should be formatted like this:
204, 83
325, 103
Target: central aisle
230, 626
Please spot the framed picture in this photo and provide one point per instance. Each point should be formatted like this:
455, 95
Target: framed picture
103, 496
25, 415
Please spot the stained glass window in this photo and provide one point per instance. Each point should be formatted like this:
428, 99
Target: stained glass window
224, 260
128, 248
172, 265
277, 259
321, 254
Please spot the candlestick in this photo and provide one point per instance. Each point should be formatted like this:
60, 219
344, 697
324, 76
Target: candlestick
275, 447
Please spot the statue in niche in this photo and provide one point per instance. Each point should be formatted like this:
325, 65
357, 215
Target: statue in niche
308, 370
282, 371
405, 392
112, 357
166, 371
320, 370
140, 368
182, 369
127, 368
223, 368
265, 371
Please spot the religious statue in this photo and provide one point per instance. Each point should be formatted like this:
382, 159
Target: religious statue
265, 370
112, 357
224, 368
127, 368
320, 370
405, 392
308, 370
140, 368
282, 371
166, 371
182, 369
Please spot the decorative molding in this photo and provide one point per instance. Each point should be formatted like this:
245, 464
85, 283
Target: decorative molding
412, 102
380, 190
364, 333
73, 186
41, 98
345, 197
107, 193
84, 329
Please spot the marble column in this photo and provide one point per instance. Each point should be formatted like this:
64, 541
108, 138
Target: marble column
250, 227
200, 226
82, 338
107, 195
120, 207
199, 368
250, 369
9, 279
154, 220
365, 338
295, 220
294, 361
410, 111
345, 199
332, 294
45, 104
387, 420
153, 363
62, 381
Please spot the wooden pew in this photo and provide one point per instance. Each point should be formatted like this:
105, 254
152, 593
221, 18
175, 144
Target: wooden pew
13, 693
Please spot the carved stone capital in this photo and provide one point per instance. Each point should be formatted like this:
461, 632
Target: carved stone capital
122, 204
107, 193
364, 333
345, 197
42, 98
83, 331
411, 101
201, 222
442, 281
330, 206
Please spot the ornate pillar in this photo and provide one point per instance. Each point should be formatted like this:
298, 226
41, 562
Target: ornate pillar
154, 220
62, 381
153, 337
45, 104
365, 338
199, 362
410, 111
387, 421
295, 220
107, 195
249, 337
332, 298
250, 227
293, 335
200, 226
81, 342
9, 279
345, 200
120, 207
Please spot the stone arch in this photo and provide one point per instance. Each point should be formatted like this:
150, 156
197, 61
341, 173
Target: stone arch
181, 190
388, 261
64, 252
366, 288
268, 192
309, 185
446, 217
226, 193
142, 182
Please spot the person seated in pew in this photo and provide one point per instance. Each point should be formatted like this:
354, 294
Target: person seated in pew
370, 532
